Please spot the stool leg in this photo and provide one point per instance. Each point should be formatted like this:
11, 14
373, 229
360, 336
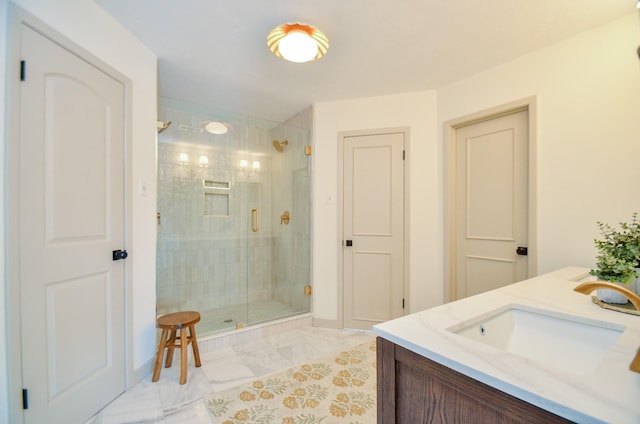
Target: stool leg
194, 345
158, 366
171, 344
183, 356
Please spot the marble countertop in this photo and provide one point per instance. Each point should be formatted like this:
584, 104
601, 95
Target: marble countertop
610, 393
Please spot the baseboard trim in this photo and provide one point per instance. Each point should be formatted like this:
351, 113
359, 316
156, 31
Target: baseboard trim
140, 373
326, 323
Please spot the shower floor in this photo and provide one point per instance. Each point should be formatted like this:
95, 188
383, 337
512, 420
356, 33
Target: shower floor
226, 318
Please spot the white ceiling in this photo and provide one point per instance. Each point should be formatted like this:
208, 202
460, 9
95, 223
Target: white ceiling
214, 52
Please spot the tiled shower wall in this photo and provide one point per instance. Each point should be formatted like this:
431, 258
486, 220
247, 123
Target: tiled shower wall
203, 259
208, 257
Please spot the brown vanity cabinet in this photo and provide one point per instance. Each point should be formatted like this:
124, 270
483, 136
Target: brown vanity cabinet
413, 389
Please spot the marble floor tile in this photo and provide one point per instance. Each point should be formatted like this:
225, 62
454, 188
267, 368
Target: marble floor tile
141, 404
173, 395
263, 359
168, 402
195, 413
225, 369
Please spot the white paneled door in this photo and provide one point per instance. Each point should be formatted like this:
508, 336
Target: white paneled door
373, 229
491, 203
71, 219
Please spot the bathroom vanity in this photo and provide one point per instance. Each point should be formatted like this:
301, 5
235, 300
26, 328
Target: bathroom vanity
534, 351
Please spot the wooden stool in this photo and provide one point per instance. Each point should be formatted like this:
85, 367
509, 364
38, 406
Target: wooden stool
170, 325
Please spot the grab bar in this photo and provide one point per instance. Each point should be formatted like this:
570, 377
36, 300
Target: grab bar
255, 220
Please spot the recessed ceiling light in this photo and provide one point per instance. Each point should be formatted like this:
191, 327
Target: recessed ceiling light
298, 42
215, 127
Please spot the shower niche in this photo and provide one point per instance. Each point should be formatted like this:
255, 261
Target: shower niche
223, 248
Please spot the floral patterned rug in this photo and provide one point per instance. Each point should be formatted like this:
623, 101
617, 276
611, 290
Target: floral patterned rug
337, 389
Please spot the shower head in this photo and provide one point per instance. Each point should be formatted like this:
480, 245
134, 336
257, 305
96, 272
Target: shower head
279, 145
162, 126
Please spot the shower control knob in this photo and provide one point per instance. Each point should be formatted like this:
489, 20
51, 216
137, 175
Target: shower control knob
119, 254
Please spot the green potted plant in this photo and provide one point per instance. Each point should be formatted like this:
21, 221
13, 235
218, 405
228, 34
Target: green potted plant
618, 258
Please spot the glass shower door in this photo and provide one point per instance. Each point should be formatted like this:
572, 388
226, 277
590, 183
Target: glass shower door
202, 236
279, 202
233, 218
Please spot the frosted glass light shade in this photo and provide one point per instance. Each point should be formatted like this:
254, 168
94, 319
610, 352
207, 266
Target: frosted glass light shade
216, 128
298, 47
298, 42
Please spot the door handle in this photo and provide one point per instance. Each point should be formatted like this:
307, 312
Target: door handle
255, 220
119, 254
349, 243
522, 251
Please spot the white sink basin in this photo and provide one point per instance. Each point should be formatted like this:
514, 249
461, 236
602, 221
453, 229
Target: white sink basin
552, 339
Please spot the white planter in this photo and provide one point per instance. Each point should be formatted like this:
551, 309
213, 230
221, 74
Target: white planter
634, 286
611, 296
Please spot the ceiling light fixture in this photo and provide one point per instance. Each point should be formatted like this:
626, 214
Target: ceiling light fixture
215, 127
298, 42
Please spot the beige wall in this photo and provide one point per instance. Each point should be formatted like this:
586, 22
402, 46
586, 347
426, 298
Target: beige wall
588, 149
588, 92
86, 24
417, 111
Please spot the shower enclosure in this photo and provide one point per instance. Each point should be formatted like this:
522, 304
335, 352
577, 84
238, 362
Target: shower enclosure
233, 217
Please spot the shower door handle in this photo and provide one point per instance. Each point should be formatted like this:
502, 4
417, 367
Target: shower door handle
255, 220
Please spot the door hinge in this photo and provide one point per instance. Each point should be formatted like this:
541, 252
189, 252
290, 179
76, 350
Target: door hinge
402, 303
403, 154
307, 290
23, 70
307, 150
25, 399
